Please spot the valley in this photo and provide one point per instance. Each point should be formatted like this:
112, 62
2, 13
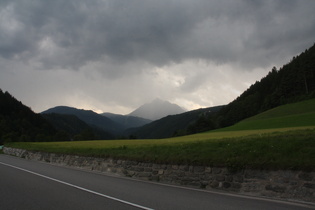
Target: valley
241, 145
270, 125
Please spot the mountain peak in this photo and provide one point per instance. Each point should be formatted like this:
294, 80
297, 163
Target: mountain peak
158, 100
157, 109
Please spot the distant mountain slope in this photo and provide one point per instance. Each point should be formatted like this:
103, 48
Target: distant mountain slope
89, 117
19, 123
127, 121
70, 127
156, 110
170, 125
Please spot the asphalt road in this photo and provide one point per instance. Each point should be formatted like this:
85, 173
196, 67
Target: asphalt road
35, 185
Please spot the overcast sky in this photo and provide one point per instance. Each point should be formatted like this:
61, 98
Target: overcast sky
115, 55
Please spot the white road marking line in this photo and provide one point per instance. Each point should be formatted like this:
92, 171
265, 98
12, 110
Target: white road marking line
80, 188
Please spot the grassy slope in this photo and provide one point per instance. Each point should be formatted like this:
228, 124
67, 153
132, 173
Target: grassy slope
301, 114
285, 139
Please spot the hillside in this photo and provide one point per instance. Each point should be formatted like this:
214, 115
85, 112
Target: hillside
157, 109
127, 121
293, 82
170, 125
300, 114
70, 127
89, 117
19, 123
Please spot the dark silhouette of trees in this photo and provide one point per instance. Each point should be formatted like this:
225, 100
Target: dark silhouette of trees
20, 123
293, 82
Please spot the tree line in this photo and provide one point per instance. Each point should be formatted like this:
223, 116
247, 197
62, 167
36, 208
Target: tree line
293, 82
18, 123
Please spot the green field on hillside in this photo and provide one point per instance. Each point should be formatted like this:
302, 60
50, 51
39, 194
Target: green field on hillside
299, 114
281, 138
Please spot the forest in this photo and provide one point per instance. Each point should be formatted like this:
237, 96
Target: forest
293, 82
19, 123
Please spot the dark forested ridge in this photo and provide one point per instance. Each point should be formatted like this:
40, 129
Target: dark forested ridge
89, 117
19, 123
293, 82
70, 127
127, 121
174, 125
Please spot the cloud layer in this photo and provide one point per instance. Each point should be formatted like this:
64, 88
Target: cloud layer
120, 54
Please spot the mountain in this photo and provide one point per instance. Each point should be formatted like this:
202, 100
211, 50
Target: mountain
171, 125
70, 127
127, 121
89, 117
156, 110
19, 123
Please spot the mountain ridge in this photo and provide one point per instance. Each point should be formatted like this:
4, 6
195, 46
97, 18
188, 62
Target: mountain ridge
127, 121
19, 123
70, 127
89, 117
170, 125
115, 124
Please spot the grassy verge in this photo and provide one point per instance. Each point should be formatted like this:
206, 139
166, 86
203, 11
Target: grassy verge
263, 149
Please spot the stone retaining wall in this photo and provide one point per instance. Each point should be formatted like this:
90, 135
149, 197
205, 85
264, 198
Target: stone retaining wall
283, 184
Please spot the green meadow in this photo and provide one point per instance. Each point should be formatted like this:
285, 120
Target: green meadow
287, 116
281, 138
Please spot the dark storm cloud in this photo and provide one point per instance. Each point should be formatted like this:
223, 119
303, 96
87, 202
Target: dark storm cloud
69, 34
124, 52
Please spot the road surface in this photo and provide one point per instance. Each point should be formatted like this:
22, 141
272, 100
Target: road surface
26, 184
